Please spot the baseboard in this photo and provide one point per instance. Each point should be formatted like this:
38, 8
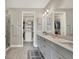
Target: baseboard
16, 46
7, 49
35, 45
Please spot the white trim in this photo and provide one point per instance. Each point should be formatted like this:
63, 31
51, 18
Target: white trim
8, 49
63, 29
35, 45
22, 28
16, 46
32, 12
28, 41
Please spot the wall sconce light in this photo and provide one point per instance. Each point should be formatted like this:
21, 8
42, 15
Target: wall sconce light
47, 10
45, 13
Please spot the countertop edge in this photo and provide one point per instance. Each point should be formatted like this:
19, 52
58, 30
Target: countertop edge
55, 42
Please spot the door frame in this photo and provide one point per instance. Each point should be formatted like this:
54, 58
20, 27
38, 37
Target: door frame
34, 27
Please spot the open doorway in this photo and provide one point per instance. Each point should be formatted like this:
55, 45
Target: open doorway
27, 28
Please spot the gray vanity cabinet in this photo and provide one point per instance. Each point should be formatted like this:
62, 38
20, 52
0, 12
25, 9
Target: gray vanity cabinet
52, 51
48, 52
44, 48
55, 55
40, 45
62, 52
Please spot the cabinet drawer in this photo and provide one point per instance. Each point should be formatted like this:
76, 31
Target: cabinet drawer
60, 50
55, 55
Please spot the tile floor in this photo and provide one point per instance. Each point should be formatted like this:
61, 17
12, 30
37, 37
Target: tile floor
19, 52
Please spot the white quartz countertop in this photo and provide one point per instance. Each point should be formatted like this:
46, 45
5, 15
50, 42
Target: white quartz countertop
67, 44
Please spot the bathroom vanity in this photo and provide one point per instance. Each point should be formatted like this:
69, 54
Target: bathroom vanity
54, 47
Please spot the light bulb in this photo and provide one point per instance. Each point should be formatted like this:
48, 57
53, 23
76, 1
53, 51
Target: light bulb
45, 13
47, 10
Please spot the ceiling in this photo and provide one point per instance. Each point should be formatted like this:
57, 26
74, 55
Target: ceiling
26, 3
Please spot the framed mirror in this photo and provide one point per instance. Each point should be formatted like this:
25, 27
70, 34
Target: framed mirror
60, 23
57, 24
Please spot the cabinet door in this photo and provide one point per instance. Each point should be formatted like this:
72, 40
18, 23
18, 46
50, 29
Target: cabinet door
55, 55
61, 57
41, 45
46, 49
48, 52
